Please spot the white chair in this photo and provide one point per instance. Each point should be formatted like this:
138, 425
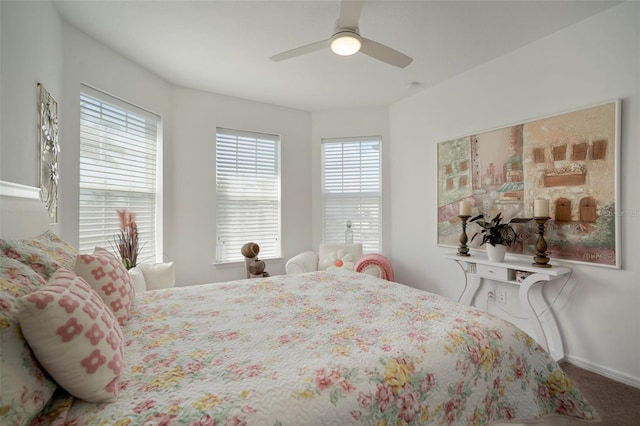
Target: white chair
153, 276
348, 256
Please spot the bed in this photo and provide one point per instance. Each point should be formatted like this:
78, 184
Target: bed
321, 348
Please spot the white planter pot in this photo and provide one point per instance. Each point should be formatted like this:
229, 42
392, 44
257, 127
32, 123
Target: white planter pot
496, 253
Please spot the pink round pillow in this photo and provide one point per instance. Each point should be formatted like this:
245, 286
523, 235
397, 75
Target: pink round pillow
376, 265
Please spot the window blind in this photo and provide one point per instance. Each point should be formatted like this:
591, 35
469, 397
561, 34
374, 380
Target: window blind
352, 190
119, 145
247, 193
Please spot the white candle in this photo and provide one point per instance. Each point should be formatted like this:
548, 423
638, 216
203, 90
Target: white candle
541, 208
465, 208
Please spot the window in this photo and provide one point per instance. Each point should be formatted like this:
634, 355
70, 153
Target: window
352, 190
580, 152
559, 152
119, 160
599, 150
538, 155
247, 193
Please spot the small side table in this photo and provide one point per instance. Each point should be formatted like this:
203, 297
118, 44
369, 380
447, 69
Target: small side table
545, 328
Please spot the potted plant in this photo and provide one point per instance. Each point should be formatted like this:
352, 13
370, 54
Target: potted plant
499, 235
126, 240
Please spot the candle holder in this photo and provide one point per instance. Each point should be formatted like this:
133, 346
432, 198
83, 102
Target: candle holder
463, 250
541, 260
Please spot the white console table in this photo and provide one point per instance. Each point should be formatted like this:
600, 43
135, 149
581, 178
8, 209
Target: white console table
477, 267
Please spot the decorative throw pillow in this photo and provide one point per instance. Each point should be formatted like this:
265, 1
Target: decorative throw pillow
158, 275
44, 254
106, 274
334, 256
74, 336
139, 284
375, 264
26, 388
58, 249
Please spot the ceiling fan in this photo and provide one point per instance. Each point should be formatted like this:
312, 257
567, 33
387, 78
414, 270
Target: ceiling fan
346, 40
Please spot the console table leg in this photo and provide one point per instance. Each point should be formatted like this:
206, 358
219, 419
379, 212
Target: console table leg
541, 318
470, 289
542, 323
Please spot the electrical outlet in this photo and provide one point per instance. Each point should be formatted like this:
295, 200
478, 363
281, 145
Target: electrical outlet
501, 296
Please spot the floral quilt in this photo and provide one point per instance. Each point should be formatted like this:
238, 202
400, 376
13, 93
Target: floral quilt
324, 348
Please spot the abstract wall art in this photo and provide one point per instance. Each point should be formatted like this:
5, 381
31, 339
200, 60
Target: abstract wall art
569, 159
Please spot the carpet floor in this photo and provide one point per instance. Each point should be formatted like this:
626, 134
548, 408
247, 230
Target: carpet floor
617, 404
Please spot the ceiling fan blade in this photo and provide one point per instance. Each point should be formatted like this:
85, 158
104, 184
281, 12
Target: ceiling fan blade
300, 50
384, 53
349, 13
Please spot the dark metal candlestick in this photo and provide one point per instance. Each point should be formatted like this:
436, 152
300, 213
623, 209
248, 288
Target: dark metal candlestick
541, 260
463, 250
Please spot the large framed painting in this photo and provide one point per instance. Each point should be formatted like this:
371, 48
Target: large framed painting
569, 159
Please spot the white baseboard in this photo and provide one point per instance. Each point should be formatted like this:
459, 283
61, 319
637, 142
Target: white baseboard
604, 371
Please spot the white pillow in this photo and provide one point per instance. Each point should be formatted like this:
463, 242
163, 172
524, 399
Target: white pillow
139, 284
333, 256
75, 336
158, 275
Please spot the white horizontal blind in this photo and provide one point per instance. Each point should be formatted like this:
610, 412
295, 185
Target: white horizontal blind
352, 190
247, 193
118, 170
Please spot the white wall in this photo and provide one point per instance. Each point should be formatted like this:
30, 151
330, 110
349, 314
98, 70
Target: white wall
38, 46
89, 62
591, 62
31, 47
346, 123
196, 116
190, 118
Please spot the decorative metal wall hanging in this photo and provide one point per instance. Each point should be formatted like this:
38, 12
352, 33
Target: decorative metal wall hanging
49, 150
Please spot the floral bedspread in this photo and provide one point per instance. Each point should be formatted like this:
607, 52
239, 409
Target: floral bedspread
325, 348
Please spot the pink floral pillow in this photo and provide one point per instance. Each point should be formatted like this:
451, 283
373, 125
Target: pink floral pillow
44, 254
26, 388
74, 336
106, 274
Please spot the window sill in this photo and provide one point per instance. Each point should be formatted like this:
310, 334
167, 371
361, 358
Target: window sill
235, 264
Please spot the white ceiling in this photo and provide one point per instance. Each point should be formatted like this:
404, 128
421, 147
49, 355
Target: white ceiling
224, 46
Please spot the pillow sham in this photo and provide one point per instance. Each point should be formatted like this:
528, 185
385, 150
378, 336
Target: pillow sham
44, 254
75, 337
158, 275
26, 387
106, 274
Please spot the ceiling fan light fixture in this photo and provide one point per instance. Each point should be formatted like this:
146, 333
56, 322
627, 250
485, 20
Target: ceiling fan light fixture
346, 43
346, 40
